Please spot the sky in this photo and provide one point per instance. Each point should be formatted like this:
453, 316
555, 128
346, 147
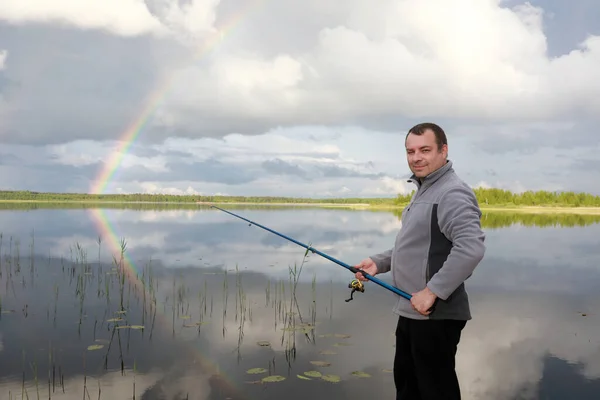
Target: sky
288, 98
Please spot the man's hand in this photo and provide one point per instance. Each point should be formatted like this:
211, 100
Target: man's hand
423, 300
368, 266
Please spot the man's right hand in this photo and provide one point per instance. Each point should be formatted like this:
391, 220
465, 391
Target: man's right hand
368, 266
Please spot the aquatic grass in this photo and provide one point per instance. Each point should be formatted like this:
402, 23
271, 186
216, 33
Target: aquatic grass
131, 303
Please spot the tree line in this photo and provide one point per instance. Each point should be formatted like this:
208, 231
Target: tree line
486, 197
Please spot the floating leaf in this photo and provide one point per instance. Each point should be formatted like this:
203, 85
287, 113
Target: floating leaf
95, 347
331, 378
342, 344
326, 335
256, 370
273, 378
341, 335
185, 317
114, 320
263, 343
304, 377
361, 374
130, 327
313, 374
321, 363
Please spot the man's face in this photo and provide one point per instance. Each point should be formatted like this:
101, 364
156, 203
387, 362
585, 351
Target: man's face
423, 155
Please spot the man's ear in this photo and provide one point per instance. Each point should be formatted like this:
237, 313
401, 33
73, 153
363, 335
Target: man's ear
445, 149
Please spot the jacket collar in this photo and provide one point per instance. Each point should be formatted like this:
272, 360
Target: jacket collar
431, 178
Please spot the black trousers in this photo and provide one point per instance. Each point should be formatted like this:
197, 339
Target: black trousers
424, 366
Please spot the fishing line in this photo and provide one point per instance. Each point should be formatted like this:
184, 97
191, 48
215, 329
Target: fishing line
355, 284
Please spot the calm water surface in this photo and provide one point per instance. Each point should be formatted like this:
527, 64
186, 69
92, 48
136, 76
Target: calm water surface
206, 299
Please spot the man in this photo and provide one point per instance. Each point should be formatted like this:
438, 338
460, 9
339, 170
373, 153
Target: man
437, 249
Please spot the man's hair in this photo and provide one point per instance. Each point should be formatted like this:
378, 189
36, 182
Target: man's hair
440, 135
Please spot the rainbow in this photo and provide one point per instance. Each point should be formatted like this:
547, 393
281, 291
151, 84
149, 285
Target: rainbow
107, 230
134, 274
156, 98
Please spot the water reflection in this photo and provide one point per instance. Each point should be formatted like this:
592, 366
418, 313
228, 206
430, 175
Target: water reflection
534, 299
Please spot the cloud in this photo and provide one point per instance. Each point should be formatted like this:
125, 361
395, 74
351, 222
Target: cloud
281, 98
122, 17
402, 66
3, 57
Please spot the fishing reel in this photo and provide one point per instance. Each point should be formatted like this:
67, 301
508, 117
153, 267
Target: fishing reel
355, 285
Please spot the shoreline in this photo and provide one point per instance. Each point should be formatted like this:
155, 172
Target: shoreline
540, 209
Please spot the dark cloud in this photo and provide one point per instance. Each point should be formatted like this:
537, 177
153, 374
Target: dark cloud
334, 171
211, 170
280, 167
10, 159
310, 171
5, 84
586, 165
77, 84
48, 178
528, 139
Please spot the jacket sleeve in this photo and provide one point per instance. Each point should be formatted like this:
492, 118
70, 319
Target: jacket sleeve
383, 261
459, 218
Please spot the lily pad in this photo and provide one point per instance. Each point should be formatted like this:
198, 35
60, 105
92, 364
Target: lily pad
321, 363
273, 378
341, 344
114, 320
313, 374
331, 378
256, 371
263, 343
95, 347
387, 370
361, 374
341, 335
303, 377
130, 327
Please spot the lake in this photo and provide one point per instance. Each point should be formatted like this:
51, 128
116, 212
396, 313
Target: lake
200, 305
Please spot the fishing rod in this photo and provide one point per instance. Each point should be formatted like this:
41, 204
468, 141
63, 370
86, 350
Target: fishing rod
355, 284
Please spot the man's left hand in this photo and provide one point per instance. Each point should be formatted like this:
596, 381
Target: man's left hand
423, 300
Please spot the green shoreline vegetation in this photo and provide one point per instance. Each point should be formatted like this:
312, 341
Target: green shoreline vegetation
488, 198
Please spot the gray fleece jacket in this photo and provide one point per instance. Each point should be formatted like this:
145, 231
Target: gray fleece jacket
439, 245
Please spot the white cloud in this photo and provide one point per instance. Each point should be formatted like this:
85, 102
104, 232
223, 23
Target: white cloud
3, 57
461, 59
120, 17
319, 96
